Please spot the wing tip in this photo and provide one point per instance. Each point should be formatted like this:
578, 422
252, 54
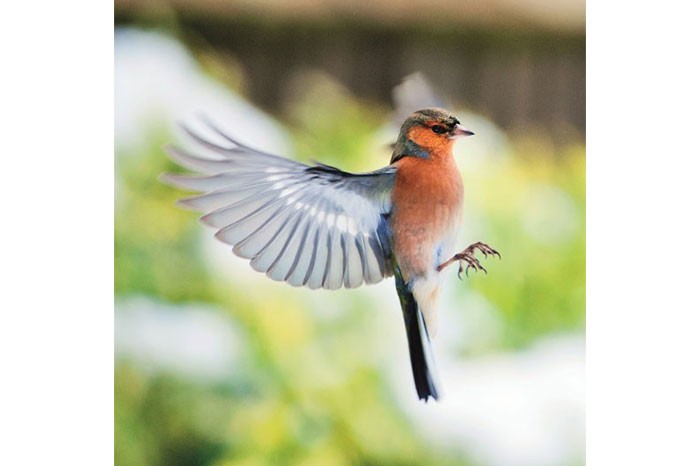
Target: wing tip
207, 220
189, 203
171, 179
171, 150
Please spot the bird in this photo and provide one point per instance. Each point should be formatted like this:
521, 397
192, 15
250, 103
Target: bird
317, 226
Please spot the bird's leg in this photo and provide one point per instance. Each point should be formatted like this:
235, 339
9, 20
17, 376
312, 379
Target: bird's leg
468, 256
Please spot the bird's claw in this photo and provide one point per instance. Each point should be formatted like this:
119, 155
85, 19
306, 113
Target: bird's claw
485, 249
471, 261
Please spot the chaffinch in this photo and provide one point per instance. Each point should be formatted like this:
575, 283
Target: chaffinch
321, 227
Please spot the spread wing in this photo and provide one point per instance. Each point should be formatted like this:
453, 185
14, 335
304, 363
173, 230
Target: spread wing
313, 226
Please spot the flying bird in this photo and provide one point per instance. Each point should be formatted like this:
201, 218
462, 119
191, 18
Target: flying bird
321, 227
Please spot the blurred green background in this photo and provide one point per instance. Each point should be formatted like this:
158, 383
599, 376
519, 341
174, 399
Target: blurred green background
215, 364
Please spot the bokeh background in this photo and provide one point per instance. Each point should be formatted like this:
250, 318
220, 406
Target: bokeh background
216, 364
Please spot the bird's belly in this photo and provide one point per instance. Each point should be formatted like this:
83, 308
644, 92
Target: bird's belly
423, 245
424, 238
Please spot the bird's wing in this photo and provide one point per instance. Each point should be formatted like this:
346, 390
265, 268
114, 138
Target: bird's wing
313, 226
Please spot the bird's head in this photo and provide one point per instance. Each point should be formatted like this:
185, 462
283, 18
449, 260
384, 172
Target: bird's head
426, 133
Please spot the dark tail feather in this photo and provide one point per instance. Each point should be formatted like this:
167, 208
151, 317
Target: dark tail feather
424, 374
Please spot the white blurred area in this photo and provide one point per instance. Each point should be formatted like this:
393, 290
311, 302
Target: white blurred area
157, 80
524, 408
521, 408
194, 341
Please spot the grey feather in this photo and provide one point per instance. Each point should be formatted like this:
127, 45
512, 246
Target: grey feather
313, 226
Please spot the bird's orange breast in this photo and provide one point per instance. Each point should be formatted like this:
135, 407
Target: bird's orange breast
427, 199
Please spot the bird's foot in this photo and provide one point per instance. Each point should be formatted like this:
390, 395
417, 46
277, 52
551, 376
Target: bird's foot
468, 257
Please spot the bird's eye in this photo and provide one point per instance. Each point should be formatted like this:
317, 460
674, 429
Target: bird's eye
437, 129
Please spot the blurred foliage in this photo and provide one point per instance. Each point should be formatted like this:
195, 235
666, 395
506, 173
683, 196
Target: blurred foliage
309, 390
154, 243
339, 132
539, 286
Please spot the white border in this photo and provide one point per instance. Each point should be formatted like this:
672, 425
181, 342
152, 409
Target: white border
643, 234
56, 334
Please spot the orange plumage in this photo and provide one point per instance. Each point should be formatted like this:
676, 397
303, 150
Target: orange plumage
427, 200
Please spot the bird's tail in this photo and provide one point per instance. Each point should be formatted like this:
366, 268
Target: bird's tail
419, 347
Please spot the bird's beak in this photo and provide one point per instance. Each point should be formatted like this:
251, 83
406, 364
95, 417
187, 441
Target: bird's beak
460, 130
